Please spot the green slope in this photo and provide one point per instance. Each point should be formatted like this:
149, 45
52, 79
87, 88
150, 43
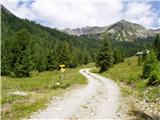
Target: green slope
130, 74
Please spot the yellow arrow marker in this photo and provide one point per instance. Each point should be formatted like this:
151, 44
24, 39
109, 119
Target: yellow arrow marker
62, 66
62, 69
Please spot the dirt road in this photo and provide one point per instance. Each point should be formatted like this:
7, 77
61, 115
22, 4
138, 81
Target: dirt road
98, 100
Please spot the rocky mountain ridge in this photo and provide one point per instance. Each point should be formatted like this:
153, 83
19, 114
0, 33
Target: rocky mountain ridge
122, 30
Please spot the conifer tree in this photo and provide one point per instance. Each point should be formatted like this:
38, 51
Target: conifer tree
6, 57
105, 57
151, 69
21, 61
64, 56
157, 46
51, 60
118, 55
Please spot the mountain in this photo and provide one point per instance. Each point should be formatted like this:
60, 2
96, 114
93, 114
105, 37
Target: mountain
157, 30
127, 31
85, 30
122, 30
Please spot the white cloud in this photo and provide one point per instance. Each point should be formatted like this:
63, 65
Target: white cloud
142, 13
78, 14
83, 13
20, 11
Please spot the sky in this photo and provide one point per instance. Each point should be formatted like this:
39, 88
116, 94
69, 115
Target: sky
80, 13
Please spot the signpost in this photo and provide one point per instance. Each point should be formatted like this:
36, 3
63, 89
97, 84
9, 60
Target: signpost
62, 71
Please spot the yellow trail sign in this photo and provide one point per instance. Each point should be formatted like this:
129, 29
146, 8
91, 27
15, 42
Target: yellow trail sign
62, 66
62, 70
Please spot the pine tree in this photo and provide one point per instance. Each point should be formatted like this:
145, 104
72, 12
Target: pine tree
51, 60
21, 61
64, 56
74, 61
157, 46
40, 58
151, 70
118, 55
105, 57
81, 57
6, 57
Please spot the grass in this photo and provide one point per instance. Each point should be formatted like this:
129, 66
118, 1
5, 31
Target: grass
40, 88
130, 73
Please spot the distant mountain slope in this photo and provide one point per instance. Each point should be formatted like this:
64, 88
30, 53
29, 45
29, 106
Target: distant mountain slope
157, 30
122, 30
85, 30
12, 24
127, 31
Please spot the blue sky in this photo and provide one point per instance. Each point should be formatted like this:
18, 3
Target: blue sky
80, 13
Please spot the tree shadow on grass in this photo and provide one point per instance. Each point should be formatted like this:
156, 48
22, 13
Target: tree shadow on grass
143, 116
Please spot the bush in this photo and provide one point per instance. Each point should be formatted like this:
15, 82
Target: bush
154, 78
147, 70
151, 70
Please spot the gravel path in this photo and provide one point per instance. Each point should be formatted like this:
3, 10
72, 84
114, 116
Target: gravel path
98, 100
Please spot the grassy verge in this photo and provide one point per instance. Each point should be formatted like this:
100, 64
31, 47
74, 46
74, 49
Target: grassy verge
130, 73
40, 88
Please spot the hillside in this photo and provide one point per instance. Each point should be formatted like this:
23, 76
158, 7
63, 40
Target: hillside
49, 47
12, 24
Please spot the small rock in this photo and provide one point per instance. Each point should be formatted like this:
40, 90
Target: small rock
150, 111
57, 83
141, 102
19, 93
59, 109
92, 114
146, 100
56, 98
6, 108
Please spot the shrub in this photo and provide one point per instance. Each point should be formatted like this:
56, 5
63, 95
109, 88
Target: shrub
151, 70
154, 78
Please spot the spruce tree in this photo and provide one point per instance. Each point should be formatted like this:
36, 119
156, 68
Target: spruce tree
151, 69
6, 57
157, 46
51, 60
21, 55
118, 55
74, 62
40, 58
105, 57
64, 56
